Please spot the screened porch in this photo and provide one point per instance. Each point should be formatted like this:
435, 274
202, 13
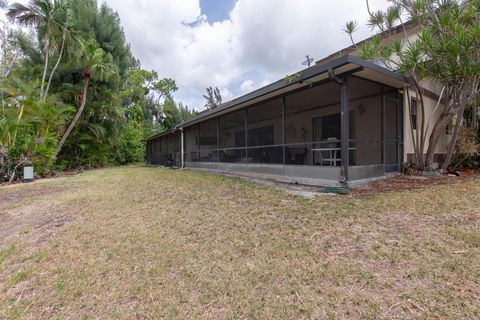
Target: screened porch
164, 149
298, 135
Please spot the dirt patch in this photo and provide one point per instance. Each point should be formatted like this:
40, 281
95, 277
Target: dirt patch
15, 194
29, 215
33, 223
406, 183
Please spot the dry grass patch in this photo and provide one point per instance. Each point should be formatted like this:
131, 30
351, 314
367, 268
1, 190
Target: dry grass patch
150, 243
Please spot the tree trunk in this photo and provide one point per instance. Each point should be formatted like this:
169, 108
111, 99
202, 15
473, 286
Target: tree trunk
453, 141
62, 48
44, 76
437, 132
77, 116
414, 141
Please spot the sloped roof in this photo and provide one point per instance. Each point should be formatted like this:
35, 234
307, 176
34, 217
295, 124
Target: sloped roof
346, 64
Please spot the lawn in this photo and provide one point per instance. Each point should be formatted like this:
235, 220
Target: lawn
149, 243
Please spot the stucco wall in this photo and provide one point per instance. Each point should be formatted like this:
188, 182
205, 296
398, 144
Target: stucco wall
432, 112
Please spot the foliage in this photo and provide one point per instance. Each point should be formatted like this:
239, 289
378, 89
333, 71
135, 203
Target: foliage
29, 127
446, 51
213, 97
409, 168
130, 147
467, 150
144, 89
175, 113
73, 95
95, 64
51, 21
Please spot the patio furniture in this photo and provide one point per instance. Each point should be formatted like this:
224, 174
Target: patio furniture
329, 153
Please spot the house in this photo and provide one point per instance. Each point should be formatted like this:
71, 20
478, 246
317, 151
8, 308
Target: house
343, 121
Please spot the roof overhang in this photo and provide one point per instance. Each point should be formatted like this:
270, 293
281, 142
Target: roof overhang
341, 67
161, 134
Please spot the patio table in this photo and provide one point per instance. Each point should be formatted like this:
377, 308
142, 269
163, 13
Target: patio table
333, 151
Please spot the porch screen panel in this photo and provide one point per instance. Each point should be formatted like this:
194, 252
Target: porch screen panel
164, 150
265, 133
208, 141
149, 152
392, 132
157, 152
312, 126
175, 149
232, 138
366, 104
191, 144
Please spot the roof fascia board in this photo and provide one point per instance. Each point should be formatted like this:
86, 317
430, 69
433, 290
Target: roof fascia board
277, 86
305, 74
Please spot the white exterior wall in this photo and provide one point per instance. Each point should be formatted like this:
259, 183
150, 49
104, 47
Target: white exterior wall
432, 112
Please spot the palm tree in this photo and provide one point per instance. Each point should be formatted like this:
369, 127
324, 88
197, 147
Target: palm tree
96, 64
64, 17
50, 19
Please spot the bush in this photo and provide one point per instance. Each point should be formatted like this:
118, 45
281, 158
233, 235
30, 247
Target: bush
131, 147
467, 150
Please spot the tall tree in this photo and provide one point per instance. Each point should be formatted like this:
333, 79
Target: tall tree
95, 63
213, 97
446, 51
68, 38
49, 19
94, 140
174, 113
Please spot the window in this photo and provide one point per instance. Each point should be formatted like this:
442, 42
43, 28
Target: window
413, 113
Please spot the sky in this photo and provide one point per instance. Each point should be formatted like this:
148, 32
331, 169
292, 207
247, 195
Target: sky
235, 45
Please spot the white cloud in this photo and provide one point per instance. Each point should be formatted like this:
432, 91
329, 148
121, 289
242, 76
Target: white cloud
247, 86
226, 94
267, 37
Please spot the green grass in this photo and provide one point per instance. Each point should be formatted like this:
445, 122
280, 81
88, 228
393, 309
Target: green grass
20, 276
158, 243
6, 252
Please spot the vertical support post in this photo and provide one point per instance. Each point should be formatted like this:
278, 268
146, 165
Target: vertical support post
284, 108
382, 134
198, 149
218, 139
246, 135
399, 104
182, 148
344, 140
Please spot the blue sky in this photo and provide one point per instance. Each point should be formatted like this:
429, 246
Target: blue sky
237, 46
216, 10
